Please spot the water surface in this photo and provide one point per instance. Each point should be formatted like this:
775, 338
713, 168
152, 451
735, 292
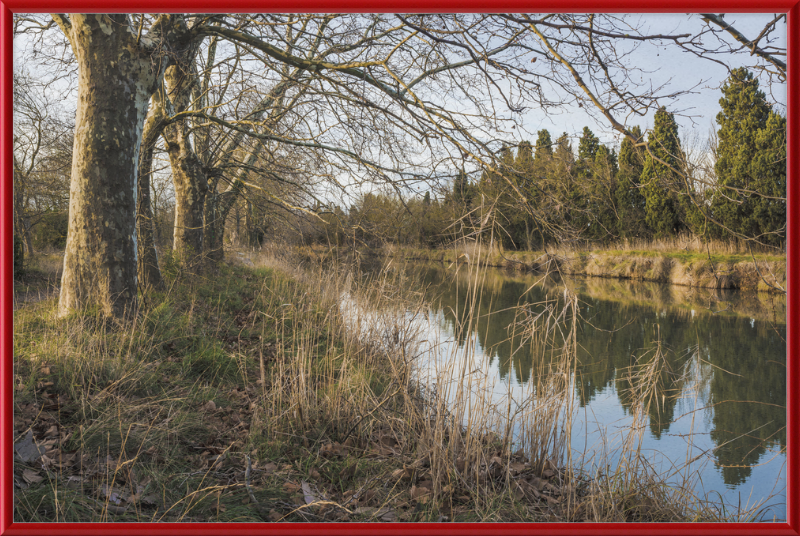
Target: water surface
724, 386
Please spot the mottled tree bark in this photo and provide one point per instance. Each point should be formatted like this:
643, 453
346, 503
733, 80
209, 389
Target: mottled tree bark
147, 268
116, 78
188, 176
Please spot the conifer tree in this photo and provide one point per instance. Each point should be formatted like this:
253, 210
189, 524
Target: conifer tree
629, 194
527, 168
587, 147
524, 159
602, 195
544, 146
511, 213
751, 158
661, 184
581, 195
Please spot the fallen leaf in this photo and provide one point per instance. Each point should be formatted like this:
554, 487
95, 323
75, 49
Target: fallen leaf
270, 468
111, 493
291, 487
389, 516
209, 406
421, 495
552, 500
517, 467
308, 496
31, 477
27, 450
330, 450
274, 515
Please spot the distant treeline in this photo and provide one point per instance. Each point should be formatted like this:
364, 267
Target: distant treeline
547, 193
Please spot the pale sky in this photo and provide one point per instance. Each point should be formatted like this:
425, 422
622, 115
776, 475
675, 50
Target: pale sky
696, 112
684, 68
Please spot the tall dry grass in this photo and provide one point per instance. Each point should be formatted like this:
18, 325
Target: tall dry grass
684, 244
340, 386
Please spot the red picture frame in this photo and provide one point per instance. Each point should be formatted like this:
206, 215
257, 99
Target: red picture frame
8, 7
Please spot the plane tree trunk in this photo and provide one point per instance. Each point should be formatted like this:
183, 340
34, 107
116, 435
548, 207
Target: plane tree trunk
147, 269
116, 77
188, 175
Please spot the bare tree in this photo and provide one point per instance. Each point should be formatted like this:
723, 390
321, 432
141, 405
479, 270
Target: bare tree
387, 99
42, 153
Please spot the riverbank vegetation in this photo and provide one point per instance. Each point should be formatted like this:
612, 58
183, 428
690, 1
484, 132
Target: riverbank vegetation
256, 394
681, 267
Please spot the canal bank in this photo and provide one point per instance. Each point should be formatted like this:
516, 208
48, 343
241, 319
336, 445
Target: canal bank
764, 273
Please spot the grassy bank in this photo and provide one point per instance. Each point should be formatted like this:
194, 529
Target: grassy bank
718, 267
253, 394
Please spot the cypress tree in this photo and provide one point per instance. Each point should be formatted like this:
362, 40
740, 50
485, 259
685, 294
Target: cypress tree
563, 145
528, 169
509, 203
524, 158
751, 156
661, 184
629, 194
524, 170
544, 146
588, 145
599, 190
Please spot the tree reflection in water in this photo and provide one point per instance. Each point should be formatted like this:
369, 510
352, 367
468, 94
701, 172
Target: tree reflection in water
728, 346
